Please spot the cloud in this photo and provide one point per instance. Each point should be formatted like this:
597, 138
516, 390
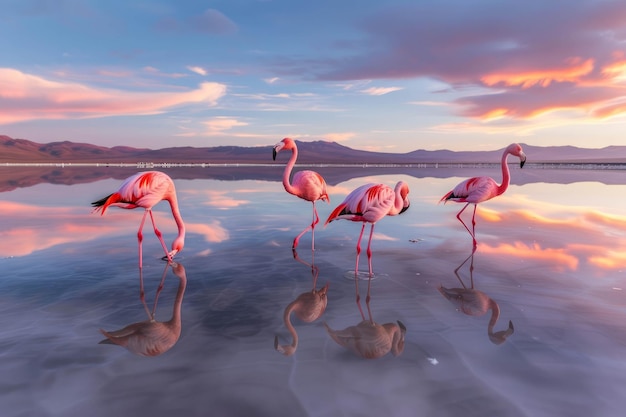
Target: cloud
197, 70
219, 125
571, 60
339, 137
30, 97
379, 91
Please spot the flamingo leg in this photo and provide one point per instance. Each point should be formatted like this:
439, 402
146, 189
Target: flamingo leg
356, 271
458, 216
158, 233
159, 289
140, 238
311, 227
369, 281
474, 225
142, 293
456, 271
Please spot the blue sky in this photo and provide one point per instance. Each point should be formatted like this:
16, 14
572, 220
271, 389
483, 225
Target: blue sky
390, 76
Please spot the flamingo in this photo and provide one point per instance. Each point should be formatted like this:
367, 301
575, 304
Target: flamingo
368, 204
371, 340
308, 307
476, 303
308, 185
151, 337
146, 189
478, 189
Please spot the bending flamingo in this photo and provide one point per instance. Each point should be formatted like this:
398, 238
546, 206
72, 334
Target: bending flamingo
151, 337
371, 340
368, 204
146, 189
308, 185
478, 189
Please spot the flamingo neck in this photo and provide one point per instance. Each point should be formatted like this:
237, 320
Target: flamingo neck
506, 175
289, 326
287, 173
178, 302
180, 224
495, 314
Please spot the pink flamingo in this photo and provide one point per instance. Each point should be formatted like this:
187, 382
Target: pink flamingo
478, 189
151, 337
146, 189
368, 204
476, 303
308, 185
308, 307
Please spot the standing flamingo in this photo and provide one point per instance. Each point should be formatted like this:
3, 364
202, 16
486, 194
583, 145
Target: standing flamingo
146, 189
368, 204
478, 189
308, 185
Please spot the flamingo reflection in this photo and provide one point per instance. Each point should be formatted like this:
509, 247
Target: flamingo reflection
476, 303
151, 337
308, 307
369, 339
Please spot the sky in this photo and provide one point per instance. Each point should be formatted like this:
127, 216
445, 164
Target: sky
392, 76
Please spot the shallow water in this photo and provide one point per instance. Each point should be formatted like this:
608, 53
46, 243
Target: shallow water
550, 254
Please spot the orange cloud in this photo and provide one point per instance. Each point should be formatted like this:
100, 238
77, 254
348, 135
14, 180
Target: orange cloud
570, 73
30, 97
558, 258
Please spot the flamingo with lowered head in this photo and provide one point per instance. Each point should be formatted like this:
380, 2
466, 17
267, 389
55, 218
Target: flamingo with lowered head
308, 185
478, 189
151, 337
146, 189
371, 340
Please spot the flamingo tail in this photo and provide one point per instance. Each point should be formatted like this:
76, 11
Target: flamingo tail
447, 197
341, 209
102, 204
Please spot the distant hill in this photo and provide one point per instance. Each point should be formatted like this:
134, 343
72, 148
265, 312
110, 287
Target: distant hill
318, 152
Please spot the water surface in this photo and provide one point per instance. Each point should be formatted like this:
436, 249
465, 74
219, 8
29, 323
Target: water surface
550, 254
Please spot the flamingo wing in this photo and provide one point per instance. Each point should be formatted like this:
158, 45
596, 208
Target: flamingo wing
310, 185
367, 203
473, 190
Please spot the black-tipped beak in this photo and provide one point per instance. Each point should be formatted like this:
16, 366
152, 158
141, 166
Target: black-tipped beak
522, 162
405, 208
274, 154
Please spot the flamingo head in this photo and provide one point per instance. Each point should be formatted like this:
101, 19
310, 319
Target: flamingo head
286, 143
398, 339
500, 337
177, 246
403, 188
516, 150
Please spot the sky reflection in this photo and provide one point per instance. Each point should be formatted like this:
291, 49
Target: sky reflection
554, 268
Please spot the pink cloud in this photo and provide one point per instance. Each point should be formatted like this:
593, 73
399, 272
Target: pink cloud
29, 97
532, 58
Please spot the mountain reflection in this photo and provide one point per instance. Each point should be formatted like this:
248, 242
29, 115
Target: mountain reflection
308, 307
151, 337
476, 303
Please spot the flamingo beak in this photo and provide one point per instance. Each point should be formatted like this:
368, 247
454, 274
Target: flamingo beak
406, 207
522, 160
274, 154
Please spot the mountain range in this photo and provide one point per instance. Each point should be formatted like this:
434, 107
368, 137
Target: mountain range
318, 152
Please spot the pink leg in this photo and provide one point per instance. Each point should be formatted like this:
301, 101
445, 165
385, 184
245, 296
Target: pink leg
159, 289
474, 225
142, 293
458, 216
160, 236
356, 271
140, 238
369, 281
311, 227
